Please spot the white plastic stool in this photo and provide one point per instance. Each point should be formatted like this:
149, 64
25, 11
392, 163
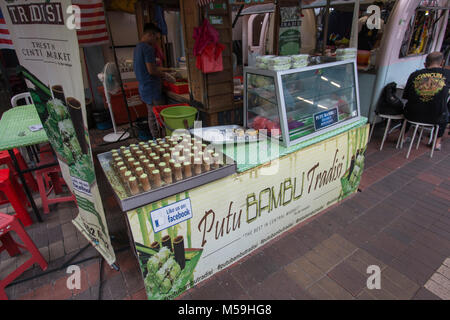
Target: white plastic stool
434, 133
386, 131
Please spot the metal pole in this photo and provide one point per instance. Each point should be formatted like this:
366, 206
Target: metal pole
354, 35
120, 77
325, 28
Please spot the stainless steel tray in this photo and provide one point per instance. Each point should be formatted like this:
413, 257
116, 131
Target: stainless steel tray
222, 135
128, 203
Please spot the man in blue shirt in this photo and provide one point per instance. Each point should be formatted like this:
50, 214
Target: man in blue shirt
148, 74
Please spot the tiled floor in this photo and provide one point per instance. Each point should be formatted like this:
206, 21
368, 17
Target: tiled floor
399, 222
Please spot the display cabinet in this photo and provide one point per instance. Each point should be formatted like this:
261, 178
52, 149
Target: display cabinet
298, 104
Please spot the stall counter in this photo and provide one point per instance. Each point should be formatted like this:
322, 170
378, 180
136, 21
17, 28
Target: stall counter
184, 239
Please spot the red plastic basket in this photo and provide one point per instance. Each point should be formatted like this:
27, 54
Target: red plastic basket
180, 88
157, 110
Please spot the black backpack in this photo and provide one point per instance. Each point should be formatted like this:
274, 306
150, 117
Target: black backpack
389, 103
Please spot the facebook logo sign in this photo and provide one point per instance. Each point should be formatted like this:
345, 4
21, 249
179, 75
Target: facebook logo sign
171, 215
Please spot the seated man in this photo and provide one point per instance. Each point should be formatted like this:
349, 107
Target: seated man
427, 93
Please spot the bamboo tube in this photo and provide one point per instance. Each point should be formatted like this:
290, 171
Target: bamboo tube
162, 165
175, 156
216, 160
156, 160
139, 153
151, 156
187, 169
122, 171
155, 245
130, 162
143, 179
166, 242
172, 164
139, 171
136, 165
178, 172
166, 158
120, 164
156, 178
150, 167
133, 185
167, 173
181, 160
204, 146
178, 248
197, 166
207, 164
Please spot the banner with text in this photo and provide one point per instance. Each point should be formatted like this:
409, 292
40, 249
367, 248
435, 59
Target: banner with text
46, 44
186, 238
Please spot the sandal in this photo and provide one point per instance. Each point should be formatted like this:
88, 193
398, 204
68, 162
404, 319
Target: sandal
437, 147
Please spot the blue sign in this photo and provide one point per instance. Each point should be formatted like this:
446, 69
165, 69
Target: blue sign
325, 118
171, 215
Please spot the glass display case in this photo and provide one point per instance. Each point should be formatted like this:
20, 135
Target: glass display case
298, 104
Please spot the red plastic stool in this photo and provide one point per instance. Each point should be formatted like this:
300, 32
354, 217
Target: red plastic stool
43, 176
9, 223
5, 158
13, 191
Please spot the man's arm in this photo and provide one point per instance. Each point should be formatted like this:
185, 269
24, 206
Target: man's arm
407, 88
154, 70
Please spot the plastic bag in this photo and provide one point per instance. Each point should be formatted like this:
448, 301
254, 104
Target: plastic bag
210, 60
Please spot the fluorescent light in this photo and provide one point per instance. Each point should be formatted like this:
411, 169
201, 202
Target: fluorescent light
321, 106
335, 84
305, 100
323, 78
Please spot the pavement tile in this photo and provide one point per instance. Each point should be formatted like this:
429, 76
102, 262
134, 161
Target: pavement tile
44, 292
425, 294
413, 269
380, 294
444, 271
241, 274
348, 278
229, 284
438, 289
365, 295
319, 293
133, 280
430, 178
140, 295
71, 244
283, 288
68, 229
360, 260
321, 262
334, 289
116, 286
298, 276
56, 250
427, 256
309, 268
61, 292
400, 280
93, 273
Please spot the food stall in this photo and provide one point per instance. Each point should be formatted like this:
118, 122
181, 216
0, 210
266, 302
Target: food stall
200, 200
